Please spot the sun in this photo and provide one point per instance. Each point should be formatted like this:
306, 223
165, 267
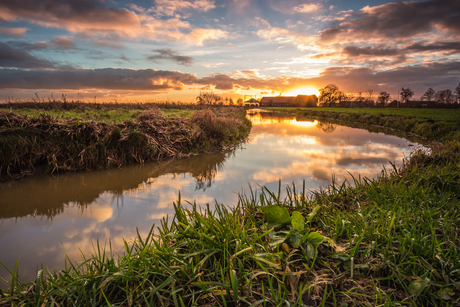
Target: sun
307, 90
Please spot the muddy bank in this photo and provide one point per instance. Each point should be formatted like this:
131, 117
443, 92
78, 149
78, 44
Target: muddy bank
47, 145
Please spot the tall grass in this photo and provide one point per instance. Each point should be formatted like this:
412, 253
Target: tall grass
49, 144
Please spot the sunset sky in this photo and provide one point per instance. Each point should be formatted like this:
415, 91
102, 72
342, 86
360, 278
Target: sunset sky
168, 49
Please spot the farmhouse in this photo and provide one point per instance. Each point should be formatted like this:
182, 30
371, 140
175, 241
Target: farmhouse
290, 101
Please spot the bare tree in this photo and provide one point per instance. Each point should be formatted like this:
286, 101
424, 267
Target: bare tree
406, 94
445, 96
329, 95
370, 97
383, 98
208, 98
429, 95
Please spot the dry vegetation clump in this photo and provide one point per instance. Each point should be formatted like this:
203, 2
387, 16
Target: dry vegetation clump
48, 145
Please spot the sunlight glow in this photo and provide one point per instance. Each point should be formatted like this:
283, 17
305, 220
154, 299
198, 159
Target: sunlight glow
307, 90
304, 124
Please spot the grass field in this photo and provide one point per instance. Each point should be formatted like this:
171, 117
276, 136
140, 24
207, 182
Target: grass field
106, 116
448, 115
390, 241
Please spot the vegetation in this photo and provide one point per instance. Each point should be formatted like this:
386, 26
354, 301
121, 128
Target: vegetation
50, 144
390, 241
330, 96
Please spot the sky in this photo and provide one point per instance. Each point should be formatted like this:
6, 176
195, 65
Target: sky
157, 50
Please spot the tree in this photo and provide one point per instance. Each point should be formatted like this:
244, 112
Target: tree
370, 98
429, 95
240, 102
208, 98
445, 96
383, 98
329, 95
406, 94
457, 93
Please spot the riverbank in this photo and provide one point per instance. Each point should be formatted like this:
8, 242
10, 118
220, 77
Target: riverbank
42, 142
392, 240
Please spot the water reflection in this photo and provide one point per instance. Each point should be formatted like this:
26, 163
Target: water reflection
48, 196
44, 218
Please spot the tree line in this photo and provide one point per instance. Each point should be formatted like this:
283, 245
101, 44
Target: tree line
331, 95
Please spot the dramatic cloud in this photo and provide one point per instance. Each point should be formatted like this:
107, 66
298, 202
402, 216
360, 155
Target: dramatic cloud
16, 58
398, 20
19, 32
106, 26
106, 78
169, 54
449, 47
355, 51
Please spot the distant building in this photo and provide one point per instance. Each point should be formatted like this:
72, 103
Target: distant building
290, 101
252, 102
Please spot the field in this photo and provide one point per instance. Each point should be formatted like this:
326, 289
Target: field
391, 241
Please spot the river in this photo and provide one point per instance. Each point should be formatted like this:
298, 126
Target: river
44, 218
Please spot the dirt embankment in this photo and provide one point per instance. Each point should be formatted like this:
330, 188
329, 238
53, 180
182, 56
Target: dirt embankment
48, 145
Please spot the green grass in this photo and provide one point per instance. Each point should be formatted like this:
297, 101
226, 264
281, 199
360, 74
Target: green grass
106, 116
448, 115
389, 241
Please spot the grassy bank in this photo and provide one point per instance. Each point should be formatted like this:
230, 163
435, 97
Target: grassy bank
56, 140
392, 241
433, 124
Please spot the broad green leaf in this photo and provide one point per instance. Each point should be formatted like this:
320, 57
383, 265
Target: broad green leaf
313, 213
311, 251
295, 239
276, 238
298, 221
315, 239
416, 287
276, 214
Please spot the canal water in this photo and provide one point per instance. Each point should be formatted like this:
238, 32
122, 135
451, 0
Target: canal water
45, 218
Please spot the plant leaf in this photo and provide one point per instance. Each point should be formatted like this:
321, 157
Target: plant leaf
298, 221
315, 239
313, 213
295, 239
416, 287
276, 214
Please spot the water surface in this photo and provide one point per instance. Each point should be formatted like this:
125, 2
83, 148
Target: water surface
44, 218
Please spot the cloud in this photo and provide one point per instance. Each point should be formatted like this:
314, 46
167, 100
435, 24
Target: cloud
449, 47
106, 26
307, 8
105, 78
30, 46
348, 78
19, 32
294, 6
16, 58
397, 20
63, 43
170, 7
355, 51
169, 54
